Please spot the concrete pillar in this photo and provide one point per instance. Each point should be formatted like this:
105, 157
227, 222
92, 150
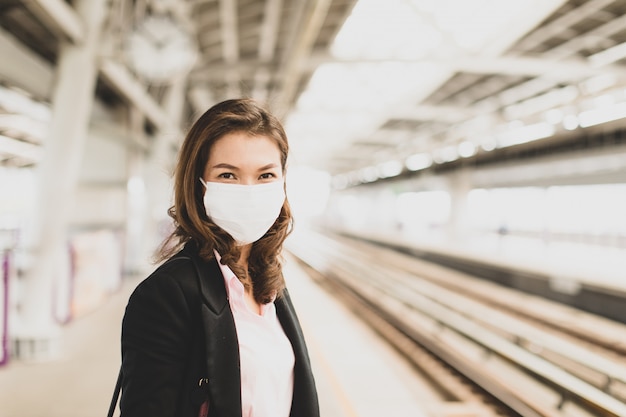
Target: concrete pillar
173, 104
459, 188
36, 336
158, 176
134, 263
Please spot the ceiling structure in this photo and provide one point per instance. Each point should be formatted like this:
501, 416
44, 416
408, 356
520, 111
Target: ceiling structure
369, 89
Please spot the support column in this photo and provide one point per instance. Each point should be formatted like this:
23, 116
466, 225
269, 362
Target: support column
173, 105
158, 178
36, 336
136, 199
459, 188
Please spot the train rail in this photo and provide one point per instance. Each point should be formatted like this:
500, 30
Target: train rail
491, 348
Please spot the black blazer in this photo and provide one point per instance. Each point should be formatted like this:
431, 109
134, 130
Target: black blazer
178, 330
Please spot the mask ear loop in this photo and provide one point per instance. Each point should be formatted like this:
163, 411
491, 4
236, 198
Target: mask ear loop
202, 181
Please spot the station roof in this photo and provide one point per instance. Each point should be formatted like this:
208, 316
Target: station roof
368, 88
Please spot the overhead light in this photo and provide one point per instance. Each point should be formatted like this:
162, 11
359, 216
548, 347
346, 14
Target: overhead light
489, 144
20, 149
466, 149
22, 125
602, 101
550, 100
389, 169
570, 122
339, 182
525, 134
418, 161
598, 83
446, 154
608, 56
554, 116
15, 101
602, 115
369, 174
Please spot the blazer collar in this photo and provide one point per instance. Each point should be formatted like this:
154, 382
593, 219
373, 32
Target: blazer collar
210, 280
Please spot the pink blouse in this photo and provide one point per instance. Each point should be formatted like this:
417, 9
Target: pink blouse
265, 352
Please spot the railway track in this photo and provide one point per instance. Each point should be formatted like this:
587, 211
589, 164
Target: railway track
494, 350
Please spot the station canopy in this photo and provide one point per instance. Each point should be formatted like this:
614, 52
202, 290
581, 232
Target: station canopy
368, 89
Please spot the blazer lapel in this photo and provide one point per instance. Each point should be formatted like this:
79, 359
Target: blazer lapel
222, 347
220, 341
305, 401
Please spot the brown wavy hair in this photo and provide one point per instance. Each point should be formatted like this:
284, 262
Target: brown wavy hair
191, 224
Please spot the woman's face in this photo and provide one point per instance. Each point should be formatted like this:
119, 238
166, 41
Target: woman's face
238, 158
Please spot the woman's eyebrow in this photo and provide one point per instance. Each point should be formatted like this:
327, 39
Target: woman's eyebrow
269, 166
225, 166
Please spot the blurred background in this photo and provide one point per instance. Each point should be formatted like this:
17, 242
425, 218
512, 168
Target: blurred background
489, 131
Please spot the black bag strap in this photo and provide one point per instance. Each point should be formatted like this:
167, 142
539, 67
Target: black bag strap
116, 394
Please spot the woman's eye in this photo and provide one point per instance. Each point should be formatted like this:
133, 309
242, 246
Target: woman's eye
267, 175
227, 175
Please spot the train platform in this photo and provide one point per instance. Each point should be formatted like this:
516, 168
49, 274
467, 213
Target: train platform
587, 276
357, 373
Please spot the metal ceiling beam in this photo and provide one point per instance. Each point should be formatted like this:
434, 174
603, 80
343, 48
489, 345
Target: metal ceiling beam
448, 114
59, 17
206, 71
181, 10
521, 25
23, 127
556, 26
524, 66
609, 56
542, 84
230, 42
228, 28
252, 10
267, 46
560, 70
119, 78
303, 34
16, 148
590, 38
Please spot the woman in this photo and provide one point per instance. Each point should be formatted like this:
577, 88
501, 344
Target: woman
213, 327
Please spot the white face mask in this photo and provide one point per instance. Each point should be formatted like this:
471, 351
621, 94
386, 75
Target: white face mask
246, 212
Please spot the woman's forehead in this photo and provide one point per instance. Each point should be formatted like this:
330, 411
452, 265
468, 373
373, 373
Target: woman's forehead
242, 148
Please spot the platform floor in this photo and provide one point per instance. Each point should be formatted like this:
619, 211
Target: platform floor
357, 374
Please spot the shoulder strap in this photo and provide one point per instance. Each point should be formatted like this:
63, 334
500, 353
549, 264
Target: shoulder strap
116, 394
